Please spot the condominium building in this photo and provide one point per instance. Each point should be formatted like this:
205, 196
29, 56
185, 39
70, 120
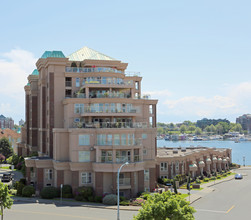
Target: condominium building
86, 116
6, 122
245, 121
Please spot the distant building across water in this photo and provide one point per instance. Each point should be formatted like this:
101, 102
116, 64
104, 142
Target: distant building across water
6, 122
245, 121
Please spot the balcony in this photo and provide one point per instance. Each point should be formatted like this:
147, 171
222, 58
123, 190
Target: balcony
124, 125
124, 181
100, 96
100, 70
119, 159
107, 83
109, 111
91, 70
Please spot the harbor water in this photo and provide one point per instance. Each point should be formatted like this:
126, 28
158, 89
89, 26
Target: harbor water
239, 150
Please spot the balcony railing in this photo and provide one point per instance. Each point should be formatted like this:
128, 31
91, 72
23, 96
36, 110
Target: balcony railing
124, 181
91, 70
106, 82
131, 142
110, 110
83, 95
106, 159
111, 125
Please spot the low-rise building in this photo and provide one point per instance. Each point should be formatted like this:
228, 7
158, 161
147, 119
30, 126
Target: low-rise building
6, 122
13, 137
193, 161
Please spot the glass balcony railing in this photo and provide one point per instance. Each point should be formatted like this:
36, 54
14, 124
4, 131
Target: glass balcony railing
124, 181
100, 70
92, 70
125, 125
111, 110
106, 82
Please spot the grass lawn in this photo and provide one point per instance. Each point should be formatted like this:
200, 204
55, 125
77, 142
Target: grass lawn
183, 196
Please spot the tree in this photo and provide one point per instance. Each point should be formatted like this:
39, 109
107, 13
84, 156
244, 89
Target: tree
165, 206
2, 157
191, 128
175, 186
183, 128
219, 128
213, 129
5, 147
198, 131
5, 199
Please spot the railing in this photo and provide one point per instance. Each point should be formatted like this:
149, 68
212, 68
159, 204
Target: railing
105, 82
124, 181
143, 97
111, 125
123, 159
134, 142
132, 73
91, 70
106, 159
110, 110
137, 158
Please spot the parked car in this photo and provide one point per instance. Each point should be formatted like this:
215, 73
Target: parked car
238, 176
7, 177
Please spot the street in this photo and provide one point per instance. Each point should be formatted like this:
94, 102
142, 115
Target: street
230, 200
26, 211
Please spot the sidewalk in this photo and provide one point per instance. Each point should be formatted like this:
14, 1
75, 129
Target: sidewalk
207, 188
71, 202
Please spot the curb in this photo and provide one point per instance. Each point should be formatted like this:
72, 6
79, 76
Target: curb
221, 182
195, 200
65, 203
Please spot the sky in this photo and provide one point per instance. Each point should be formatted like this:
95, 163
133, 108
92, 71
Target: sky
194, 56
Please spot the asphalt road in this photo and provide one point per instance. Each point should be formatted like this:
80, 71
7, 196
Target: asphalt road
231, 200
22, 211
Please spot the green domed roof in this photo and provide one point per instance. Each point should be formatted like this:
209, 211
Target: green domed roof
35, 72
58, 54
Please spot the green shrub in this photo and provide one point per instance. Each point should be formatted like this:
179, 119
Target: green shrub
122, 198
79, 198
218, 177
84, 191
13, 192
206, 179
110, 199
49, 192
23, 181
125, 203
198, 181
98, 199
20, 187
145, 195
90, 198
28, 191
67, 191
213, 178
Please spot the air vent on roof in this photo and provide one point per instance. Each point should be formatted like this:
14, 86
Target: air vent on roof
183, 149
175, 150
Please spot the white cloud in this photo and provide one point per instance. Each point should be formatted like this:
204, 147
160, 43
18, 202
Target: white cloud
235, 102
15, 66
156, 94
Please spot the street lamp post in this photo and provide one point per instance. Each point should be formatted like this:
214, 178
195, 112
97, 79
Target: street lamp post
126, 163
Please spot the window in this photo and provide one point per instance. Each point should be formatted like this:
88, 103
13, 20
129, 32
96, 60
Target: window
116, 139
146, 175
144, 136
130, 139
86, 178
48, 174
101, 139
77, 82
144, 152
177, 165
106, 156
150, 109
123, 139
78, 108
163, 166
84, 156
112, 107
76, 120
109, 139
84, 139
